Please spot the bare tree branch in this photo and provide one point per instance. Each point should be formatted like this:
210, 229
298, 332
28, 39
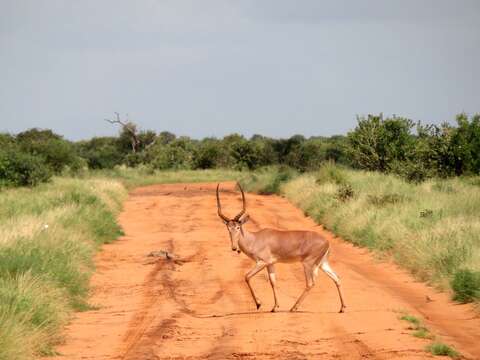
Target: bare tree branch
129, 128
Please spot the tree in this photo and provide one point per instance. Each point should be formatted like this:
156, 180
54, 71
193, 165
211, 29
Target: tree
210, 153
101, 152
307, 155
376, 144
177, 154
128, 134
56, 152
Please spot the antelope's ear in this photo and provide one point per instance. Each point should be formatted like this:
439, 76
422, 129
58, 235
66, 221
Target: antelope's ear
244, 219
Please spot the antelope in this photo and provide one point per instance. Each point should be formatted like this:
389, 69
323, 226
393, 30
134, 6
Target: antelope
269, 246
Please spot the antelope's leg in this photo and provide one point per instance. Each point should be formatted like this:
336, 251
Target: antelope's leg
331, 274
271, 277
260, 265
309, 278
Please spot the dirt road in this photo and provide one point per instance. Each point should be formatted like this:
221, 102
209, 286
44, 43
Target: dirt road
203, 309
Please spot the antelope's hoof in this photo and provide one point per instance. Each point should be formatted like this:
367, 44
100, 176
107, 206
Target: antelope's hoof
293, 309
258, 305
342, 310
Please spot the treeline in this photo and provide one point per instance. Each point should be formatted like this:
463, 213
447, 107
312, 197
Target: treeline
392, 145
33, 156
416, 151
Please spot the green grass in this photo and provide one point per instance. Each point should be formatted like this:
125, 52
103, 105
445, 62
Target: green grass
267, 180
48, 236
416, 324
412, 320
142, 175
432, 228
466, 285
440, 349
420, 331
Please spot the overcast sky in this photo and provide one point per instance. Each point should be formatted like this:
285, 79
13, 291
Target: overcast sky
210, 68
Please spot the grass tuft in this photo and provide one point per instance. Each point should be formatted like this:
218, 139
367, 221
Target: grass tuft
423, 333
412, 320
441, 349
466, 285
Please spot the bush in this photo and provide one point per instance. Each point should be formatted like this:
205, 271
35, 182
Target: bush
21, 169
210, 154
412, 171
466, 285
245, 154
307, 155
101, 152
56, 152
377, 142
178, 154
345, 192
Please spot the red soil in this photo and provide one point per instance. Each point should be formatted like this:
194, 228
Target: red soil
151, 309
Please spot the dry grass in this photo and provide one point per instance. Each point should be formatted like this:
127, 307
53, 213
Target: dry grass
48, 236
432, 229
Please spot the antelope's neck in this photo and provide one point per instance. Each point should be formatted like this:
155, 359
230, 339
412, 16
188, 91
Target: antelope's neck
246, 242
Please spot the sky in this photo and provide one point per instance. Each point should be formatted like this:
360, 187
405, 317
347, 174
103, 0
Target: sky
215, 67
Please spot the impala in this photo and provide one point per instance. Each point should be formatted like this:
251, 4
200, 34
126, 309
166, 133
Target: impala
269, 246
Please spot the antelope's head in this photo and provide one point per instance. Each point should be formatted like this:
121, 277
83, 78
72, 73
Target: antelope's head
234, 226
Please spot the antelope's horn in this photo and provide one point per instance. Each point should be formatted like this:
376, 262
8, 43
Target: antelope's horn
243, 203
219, 207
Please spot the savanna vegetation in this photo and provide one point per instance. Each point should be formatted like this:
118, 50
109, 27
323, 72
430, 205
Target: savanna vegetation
431, 228
48, 235
407, 191
436, 347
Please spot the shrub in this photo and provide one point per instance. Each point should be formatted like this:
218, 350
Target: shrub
56, 152
245, 154
345, 192
210, 154
466, 285
101, 152
21, 169
412, 171
377, 142
178, 154
307, 155
426, 213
